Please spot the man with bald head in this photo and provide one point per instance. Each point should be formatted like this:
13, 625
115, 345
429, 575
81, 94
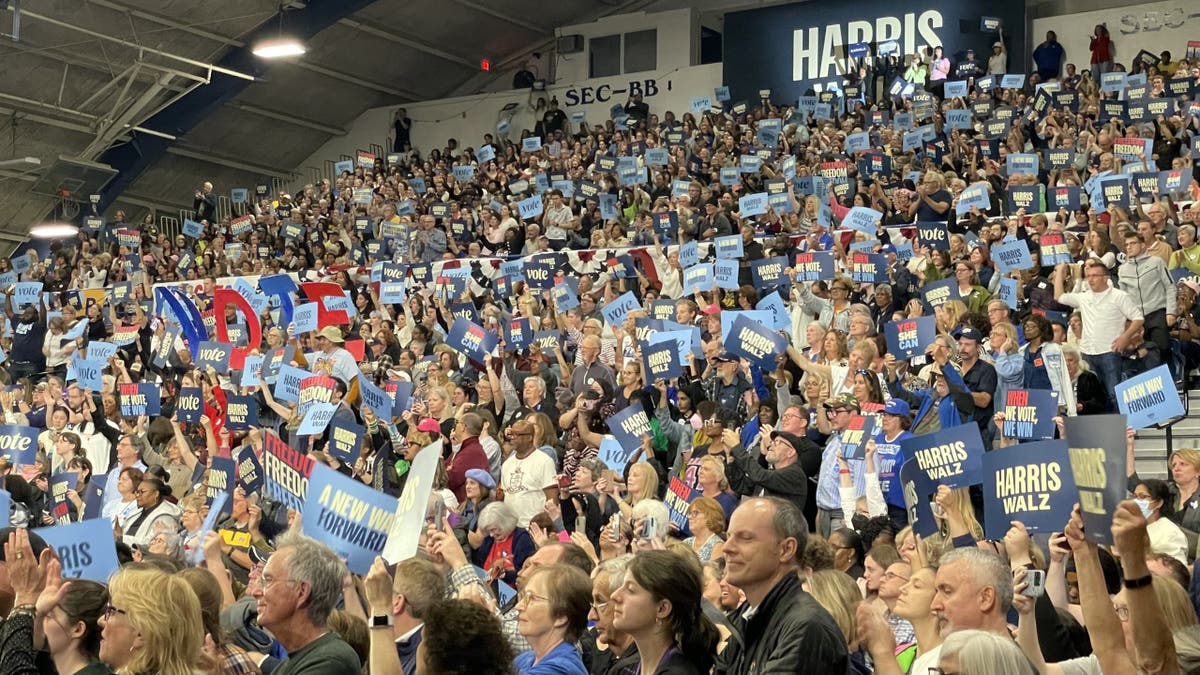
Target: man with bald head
431, 240
590, 370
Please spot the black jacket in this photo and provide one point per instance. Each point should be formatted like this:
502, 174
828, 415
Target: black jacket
747, 477
789, 633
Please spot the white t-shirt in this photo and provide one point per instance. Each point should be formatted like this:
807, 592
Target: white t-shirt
523, 481
925, 661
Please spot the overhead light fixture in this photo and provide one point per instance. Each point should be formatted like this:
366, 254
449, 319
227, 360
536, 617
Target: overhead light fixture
53, 231
282, 45
279, 48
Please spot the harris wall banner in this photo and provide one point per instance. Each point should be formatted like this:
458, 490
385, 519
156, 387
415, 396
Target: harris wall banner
790, 49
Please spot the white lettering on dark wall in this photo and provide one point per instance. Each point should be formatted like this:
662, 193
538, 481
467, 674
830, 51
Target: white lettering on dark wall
817, 51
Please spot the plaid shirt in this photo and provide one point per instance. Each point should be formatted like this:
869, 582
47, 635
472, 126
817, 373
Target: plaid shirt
466, 576
237, 662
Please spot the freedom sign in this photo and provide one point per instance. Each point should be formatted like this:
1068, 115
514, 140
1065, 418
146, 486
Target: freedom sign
1149, 398
351, 518
1096, 447
1029, 482
285, 471
907, 338
1029, 414
950, 457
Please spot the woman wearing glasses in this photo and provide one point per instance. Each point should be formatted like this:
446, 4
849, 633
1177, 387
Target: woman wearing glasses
552, 611
151, 632
659, 605
157, 514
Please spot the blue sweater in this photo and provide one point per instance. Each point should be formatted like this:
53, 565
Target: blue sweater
562, 660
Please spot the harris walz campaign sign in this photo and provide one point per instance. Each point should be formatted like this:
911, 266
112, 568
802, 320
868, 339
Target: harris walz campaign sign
793, 48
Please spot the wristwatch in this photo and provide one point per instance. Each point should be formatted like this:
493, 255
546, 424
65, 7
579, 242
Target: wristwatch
381, 621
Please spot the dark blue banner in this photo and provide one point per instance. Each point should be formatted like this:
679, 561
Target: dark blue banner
1029, 482
951, 457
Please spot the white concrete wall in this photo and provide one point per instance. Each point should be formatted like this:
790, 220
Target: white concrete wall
1154, 26
678, 40
468, 118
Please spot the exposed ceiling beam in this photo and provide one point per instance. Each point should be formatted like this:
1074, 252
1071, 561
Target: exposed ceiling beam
152, 203
285, 117
407, 41
360, 82
506, 18
205, 155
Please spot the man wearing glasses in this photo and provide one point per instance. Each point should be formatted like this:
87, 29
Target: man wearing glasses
785, 479
527, 477
840, 411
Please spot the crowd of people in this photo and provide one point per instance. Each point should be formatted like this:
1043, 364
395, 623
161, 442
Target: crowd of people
736, 533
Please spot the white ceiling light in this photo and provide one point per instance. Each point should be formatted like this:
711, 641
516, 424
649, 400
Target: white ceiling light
53, 231
278, 48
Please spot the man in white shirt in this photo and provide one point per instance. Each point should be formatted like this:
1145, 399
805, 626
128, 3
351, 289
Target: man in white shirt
527, 476
1111, 322
556, 219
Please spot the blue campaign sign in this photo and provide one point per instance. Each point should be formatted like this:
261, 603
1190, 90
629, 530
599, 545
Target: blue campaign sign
87, 372
1096, 448
189, 405
907, 338
769, 272
351, 518
615, 311
304, 318
375, 398
1149, 398
471, 340
933, 236
697, 278
317, 418
661, 360
531, 144
345, 440
729, 176
814, 266
1029, 482
249, 470
729, 247
721, 94
859, 430
564, 297
772, 303
752, 205
27, 293
92, 495
1064, 197
955, 89
974, 195
1029, 414
1022, 162
657, 157
287, 383
86, 549
241, 412
390, 293
858, 142
689, 254
749, 164
628, 425
608, 206
958, 118
869, 268
193, 229
518, 333
1012, 81
725, 274
613, 455
951, 457
1059, 158
1054, 249
539, 273
1027, 197
936, 293
1112, 82
863, 219
755, 342
1115, 192
1011, 256
530, 208
1008, 292
918, 494
214, 354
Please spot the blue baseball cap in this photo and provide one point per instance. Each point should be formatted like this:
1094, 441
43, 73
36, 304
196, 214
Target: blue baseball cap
968, 332
897, 407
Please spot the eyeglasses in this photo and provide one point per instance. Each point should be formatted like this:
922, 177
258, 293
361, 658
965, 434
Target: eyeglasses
599, 606
526, 597
265, 582
109, 610
890, 576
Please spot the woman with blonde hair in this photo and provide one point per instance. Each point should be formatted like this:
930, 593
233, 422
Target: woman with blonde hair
713, 484
641, 483
158, 631
948, 315
840, 596
1010, 364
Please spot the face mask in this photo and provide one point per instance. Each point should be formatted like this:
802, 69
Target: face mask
1144, 505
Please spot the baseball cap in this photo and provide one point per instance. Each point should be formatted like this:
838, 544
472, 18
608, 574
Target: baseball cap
968, 332
726, 357
842, 401
897, 407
